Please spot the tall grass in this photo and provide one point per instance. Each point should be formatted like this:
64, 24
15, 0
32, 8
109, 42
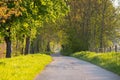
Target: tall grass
109, 61
23, 67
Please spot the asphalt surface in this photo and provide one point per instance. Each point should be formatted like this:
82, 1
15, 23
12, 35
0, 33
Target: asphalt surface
69, 68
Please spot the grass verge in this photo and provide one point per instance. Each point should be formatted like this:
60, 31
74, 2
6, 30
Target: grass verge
109, 61
23, 67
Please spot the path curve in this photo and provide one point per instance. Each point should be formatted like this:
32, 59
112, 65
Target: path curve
69, 68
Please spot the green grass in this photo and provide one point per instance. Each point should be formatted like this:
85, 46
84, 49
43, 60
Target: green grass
109, 61
23, 67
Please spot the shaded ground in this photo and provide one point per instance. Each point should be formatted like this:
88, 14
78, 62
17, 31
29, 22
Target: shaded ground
69, 68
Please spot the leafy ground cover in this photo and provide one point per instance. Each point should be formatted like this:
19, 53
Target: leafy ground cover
23, 67
109, 61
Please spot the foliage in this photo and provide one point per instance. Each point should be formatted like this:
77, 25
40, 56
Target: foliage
10, 10
23, 67
90, 25
20, 19
50, 32
109, 61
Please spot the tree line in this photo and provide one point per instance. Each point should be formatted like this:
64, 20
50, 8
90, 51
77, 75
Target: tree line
20, 21
90, 25
76, 25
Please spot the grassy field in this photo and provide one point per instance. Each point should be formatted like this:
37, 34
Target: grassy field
109, 61
23, 67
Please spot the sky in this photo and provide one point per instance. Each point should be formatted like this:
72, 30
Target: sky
116, 2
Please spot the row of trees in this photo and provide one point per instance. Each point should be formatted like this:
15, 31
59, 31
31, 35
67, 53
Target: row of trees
21, 20
92, 24
38, 25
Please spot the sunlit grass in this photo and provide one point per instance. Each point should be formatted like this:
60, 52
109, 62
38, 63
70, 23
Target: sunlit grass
23, 67
109, 61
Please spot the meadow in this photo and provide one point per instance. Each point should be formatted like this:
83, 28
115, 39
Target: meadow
23, 67
109, 61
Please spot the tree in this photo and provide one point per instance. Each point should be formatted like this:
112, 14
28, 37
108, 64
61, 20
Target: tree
9, 11
90, 24
51, 11
36, 10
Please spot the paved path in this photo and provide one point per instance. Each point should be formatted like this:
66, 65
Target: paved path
68, 68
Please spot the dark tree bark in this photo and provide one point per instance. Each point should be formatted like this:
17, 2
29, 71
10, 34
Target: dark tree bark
27, 46
7, 39
32, 49
48, 46
115, 48
8, 46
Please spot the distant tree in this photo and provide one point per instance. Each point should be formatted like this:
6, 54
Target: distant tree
90, 24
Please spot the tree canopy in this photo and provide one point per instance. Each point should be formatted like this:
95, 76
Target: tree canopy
25, 16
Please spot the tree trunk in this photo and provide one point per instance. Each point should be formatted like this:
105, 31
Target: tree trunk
8, 46
102, 25
48, 47
27, 46
115, 48
32, 49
